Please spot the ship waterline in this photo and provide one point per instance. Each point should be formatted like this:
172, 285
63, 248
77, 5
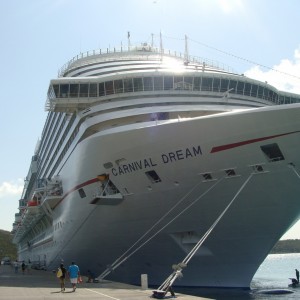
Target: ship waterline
140, 176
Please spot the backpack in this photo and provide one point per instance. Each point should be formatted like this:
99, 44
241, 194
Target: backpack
59, 273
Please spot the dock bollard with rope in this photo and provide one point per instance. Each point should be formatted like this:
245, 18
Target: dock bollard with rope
166, 286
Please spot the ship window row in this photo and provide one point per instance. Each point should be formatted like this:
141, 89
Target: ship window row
167, 83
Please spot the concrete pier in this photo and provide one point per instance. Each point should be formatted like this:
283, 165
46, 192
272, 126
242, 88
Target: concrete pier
43, 285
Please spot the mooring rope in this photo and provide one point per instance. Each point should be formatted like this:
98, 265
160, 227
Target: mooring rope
164, 287
123, 258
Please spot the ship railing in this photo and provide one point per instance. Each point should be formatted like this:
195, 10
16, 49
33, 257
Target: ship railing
74, 62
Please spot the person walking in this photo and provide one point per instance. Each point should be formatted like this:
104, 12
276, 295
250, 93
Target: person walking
61, 274
74, 273
23, 266
16, 266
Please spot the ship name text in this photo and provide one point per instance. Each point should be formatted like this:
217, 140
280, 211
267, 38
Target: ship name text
165, 158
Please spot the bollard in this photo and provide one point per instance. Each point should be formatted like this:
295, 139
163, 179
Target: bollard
144, 281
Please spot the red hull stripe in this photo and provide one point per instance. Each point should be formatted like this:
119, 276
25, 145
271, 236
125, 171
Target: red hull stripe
77, 187
239, 144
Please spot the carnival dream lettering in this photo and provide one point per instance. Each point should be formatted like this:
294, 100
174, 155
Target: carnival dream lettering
134, 166
181, 154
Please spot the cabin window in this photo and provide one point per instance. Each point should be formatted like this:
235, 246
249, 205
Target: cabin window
272, 152
152, 176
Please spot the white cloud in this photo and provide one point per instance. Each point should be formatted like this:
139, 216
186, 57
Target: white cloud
285, 76
10, 193
9, 189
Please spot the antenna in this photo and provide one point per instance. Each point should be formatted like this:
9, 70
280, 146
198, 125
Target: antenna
128, 37
161, 44
186, 51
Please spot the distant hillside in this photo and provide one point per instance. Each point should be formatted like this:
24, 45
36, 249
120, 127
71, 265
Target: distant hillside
7, 248
286, 246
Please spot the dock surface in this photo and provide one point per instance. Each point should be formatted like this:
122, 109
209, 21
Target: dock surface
43, 285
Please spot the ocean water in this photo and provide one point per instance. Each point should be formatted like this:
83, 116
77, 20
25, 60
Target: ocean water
271, 278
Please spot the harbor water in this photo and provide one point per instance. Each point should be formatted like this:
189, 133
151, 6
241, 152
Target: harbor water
271, 278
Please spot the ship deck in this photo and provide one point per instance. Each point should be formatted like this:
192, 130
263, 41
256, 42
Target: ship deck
41, 285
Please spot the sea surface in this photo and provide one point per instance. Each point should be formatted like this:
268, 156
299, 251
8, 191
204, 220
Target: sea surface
271, 277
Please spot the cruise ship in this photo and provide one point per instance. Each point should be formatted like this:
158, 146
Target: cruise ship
142, 151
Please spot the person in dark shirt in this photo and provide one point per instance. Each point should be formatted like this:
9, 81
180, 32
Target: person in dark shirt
62, 277
297, 275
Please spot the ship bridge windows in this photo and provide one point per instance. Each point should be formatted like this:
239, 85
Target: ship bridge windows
195, 83
118, 84
64, 91
74, 90
168, 83
93, 90
128, 86
232, 86
216, 84
153, 176
240, 87
101, 89
148, 84
224, 85
158, 83
254, 90
138, 84
84, 90
109, 87
272, 152
206, 84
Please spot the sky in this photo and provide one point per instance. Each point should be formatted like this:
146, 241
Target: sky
258, 38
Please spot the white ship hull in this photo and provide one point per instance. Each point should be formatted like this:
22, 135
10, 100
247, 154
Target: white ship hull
94, 235
139, 157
